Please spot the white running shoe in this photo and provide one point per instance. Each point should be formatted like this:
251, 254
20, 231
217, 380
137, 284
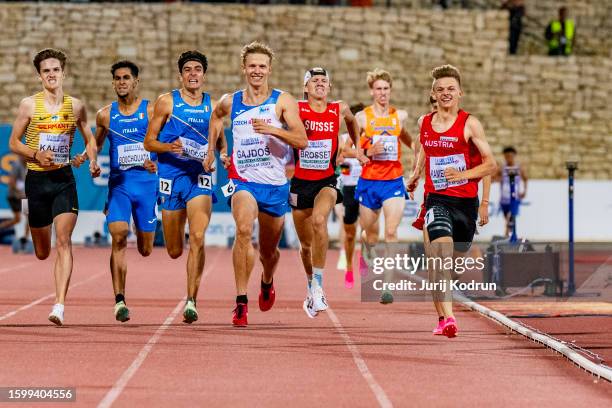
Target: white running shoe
57, 314
341, 265
318, 298
308, 307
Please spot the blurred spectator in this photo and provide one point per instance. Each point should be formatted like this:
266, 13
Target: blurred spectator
516, 8
446, 3
16, 192
560, 34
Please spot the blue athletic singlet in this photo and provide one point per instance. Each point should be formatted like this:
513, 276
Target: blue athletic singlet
126, 136
190, 125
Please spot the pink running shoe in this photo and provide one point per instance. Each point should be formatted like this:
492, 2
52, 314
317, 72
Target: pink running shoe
349, 280
363, 266
450, 328
439, 328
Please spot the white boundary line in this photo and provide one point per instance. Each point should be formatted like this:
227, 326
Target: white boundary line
49, 296
127, 375
15, 268
379, 393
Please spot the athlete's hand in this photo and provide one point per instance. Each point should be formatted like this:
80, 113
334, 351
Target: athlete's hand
209, 162
377, 148
150, 166
45, 158
339, 158
78, 160
261, 127
176, 147
94, 169
411, 184
363, 159
522, 195
226, 160
452, 174
483, 213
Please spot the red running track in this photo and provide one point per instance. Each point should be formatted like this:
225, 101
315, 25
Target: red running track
357, 354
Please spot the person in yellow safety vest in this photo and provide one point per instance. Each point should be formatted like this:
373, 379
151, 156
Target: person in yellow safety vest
560, 34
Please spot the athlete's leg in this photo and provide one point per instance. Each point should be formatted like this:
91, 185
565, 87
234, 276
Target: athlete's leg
350, 231
173, 223
198, 214
431, 272
270, 230
41, 238
145, 240
393, 209
119, 231
369, 226
64, 225
244, 211
442, 249
303, 228
323, 205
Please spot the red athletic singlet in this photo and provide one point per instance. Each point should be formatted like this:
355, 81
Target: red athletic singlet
448, 149
318, 160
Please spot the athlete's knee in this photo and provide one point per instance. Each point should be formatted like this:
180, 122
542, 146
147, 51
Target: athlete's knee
120, 239
390, 234
244, 230
63, 242
305, 251
319, 222
42, 253
174, 251
269, 255
196, 239
145, 250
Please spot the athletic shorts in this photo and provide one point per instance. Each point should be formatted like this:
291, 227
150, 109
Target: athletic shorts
133, 194
50, 193
14, 203
454, 217
507, 208
271, 200
351, 205
176, 191
373, 193
302, 193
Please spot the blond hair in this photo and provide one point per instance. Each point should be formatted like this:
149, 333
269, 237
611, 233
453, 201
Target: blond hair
446, 71
377, 74
256, 47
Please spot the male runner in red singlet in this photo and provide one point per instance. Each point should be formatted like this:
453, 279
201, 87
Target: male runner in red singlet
450, 140
313, 191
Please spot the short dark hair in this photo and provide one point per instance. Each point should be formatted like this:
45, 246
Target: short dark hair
49, 53
192, 56
125, 64
509, 149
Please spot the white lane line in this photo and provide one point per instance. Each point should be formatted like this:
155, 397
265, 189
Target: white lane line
379, 393
49, 296
127, 375
15, 268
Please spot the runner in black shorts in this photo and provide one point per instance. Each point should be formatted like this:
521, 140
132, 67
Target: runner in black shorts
455, 155
49, 120
313, 192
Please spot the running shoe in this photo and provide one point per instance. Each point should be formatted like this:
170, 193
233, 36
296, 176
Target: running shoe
341, 265
386, 297
439, 328
318, 298
308, 307
57, 314
122, 313
349, 280
190, 314
266, 298
450, 329
239, 315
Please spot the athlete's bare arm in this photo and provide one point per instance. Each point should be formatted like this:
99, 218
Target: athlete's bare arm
475, 132
353, 129
483, 209
295, 134
24, 115
215, 131
404, 135
413, 180
417, 144
161, 112
102, 126
91, 147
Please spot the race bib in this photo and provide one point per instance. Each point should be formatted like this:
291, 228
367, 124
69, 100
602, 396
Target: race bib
59, 144
205, 181
193, 150
390, 144
165, 186
228, 189
317, 155
437, 165
251, 153
131, 155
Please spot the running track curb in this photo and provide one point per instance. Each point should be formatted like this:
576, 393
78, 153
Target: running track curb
576, 358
